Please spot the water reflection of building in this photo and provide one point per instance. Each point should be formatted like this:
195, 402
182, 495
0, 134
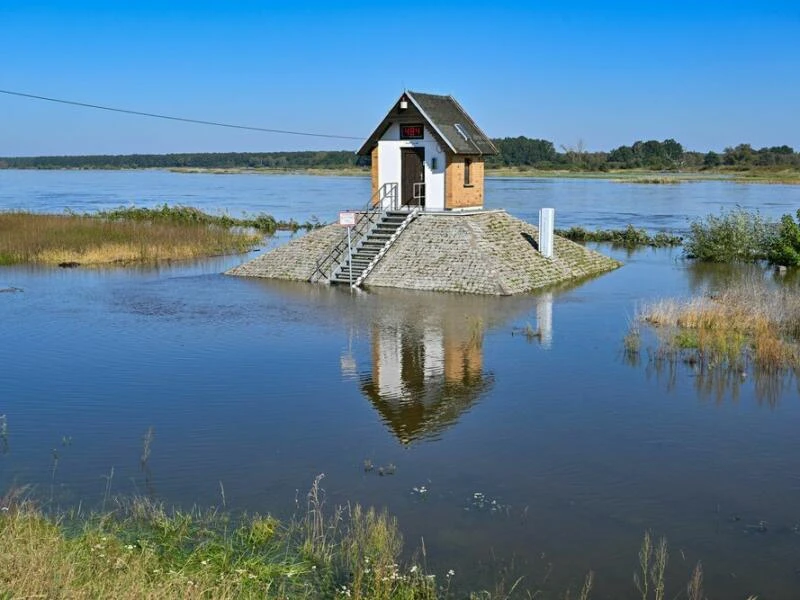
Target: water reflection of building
426, 356
425, 374
544, 319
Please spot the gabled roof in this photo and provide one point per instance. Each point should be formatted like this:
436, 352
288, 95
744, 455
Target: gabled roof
450, 124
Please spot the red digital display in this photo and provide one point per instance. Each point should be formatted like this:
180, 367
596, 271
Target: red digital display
412, 132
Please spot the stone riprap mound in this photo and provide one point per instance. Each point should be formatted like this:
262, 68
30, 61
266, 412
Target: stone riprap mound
295, 260
487, 252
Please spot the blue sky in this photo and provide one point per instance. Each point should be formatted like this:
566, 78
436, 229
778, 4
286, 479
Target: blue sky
709, 74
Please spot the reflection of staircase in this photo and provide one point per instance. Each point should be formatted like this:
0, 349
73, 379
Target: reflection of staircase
371, 248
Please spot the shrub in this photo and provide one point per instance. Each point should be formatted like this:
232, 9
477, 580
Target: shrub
785, 248
735, 236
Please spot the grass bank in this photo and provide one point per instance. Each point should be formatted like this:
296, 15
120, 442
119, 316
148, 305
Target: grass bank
321, 171
129, 235
646, 176
142, 550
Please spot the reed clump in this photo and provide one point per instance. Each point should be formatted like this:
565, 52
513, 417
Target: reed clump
95, 240
188, 215
746, 323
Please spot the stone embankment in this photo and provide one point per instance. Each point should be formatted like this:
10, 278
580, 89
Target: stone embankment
486, 252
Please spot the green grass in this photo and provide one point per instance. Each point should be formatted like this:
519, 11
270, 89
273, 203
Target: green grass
142, 550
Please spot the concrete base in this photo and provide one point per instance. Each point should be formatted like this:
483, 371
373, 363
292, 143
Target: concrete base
477, 252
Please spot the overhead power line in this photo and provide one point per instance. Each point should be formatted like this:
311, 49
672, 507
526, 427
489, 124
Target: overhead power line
181, 119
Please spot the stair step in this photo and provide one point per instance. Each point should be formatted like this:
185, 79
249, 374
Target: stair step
370, 247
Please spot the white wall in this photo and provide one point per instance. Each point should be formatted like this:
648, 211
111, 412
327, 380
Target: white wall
433, 347
389, 164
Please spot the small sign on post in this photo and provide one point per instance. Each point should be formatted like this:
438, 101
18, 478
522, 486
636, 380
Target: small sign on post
547, 220
347, 218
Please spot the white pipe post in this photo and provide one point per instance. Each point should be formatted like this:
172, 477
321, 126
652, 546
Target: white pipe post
547, 220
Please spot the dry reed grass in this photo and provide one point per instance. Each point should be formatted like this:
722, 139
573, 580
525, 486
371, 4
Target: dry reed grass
746, 322
54, 239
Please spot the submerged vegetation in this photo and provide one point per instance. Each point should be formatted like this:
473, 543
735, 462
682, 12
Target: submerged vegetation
142, 550
129, 235
747, 327
629, 237
733, 236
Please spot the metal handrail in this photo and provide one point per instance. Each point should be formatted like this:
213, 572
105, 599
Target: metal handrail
419, 193
327, 265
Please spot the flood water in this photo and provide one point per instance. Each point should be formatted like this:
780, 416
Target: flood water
547, 456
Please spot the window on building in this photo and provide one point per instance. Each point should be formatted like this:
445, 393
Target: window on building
467, 172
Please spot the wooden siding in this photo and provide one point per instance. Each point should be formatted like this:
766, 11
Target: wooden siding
374, 174
456, 194
463, 361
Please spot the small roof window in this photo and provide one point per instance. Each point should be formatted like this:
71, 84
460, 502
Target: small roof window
460, 129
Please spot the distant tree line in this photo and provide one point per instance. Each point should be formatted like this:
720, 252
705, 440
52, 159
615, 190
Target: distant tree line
519, 152
335, 159
651, 154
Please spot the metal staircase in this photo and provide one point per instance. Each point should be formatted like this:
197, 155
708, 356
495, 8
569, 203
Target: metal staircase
372, 247
376, 229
